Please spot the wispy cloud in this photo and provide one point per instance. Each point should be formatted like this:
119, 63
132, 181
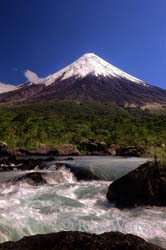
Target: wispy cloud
4, 87
32, 77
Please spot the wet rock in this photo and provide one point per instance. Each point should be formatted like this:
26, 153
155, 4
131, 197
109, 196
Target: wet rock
145, 185
12, 163
34, 179
80, 173
80, 241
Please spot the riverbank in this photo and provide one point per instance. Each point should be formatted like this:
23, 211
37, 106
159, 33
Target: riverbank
86, 148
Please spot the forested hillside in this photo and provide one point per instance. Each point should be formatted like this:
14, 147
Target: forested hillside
58, 123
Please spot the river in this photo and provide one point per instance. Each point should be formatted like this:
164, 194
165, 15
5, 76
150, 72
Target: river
67, 204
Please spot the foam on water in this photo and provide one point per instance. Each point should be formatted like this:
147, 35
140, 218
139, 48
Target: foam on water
61, 175
27, 210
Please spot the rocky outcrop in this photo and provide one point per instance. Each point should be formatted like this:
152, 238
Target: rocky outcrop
145, 185
80, 241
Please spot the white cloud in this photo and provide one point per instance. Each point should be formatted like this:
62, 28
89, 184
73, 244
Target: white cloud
6, 87
32, 77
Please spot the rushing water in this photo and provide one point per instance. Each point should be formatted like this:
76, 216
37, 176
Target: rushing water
66, 204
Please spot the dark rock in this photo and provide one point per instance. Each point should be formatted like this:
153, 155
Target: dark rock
53, 152
94, 147
51, 158
12, 163
25, 152
69, 159
4, 168
130, 151
39, 152
80, 241
145, 185
4, 149
80, 173
34, 179
29, 164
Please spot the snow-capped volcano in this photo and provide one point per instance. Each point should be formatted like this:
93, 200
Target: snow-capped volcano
89, 78
90, 64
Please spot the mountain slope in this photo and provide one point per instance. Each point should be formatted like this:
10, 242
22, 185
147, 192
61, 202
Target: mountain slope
89, 78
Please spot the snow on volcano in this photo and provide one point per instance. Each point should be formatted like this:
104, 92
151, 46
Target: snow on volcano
90, 64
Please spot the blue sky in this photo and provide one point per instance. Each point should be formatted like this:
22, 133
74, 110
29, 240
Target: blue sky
45, 35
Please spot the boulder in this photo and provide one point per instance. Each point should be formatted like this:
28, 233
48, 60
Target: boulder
80, 241
34, 179
146, 185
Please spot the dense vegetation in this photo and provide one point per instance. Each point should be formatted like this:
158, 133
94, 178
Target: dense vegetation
57, 123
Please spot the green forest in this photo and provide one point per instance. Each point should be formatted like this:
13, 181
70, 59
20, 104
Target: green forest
58, 123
